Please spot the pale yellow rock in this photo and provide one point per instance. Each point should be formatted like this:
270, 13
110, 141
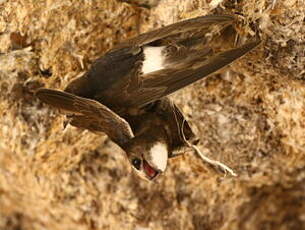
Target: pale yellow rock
249, 116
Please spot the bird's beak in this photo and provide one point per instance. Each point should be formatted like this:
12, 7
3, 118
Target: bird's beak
150, 171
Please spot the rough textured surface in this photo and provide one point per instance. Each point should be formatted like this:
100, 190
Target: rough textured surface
250, 116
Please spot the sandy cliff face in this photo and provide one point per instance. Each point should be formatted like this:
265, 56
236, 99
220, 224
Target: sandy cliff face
250, 116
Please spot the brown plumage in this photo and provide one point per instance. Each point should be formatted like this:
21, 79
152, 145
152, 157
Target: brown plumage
124, 92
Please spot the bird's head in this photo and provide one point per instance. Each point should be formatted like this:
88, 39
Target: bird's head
147, 158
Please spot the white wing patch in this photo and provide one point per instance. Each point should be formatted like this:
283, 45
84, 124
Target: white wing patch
153, 59
159, 156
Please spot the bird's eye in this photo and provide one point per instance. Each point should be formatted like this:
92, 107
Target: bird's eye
136, 162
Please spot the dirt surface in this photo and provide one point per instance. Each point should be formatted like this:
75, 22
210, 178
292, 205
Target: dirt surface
250, 116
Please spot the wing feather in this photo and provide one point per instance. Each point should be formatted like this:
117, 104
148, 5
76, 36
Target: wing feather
176, 28
173, 78
103, 118
114, 79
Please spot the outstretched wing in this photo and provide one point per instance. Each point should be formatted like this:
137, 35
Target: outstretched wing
89, 113
196, 66
121, 67
176, 28
155, 64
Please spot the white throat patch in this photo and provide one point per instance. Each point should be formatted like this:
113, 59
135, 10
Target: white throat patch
153, 59
158, 156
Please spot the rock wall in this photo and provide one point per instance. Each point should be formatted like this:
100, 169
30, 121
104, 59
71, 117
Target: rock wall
250, 116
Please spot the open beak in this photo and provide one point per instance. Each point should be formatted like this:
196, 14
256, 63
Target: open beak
150, 172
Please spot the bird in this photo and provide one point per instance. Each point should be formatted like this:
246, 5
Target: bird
125, 92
